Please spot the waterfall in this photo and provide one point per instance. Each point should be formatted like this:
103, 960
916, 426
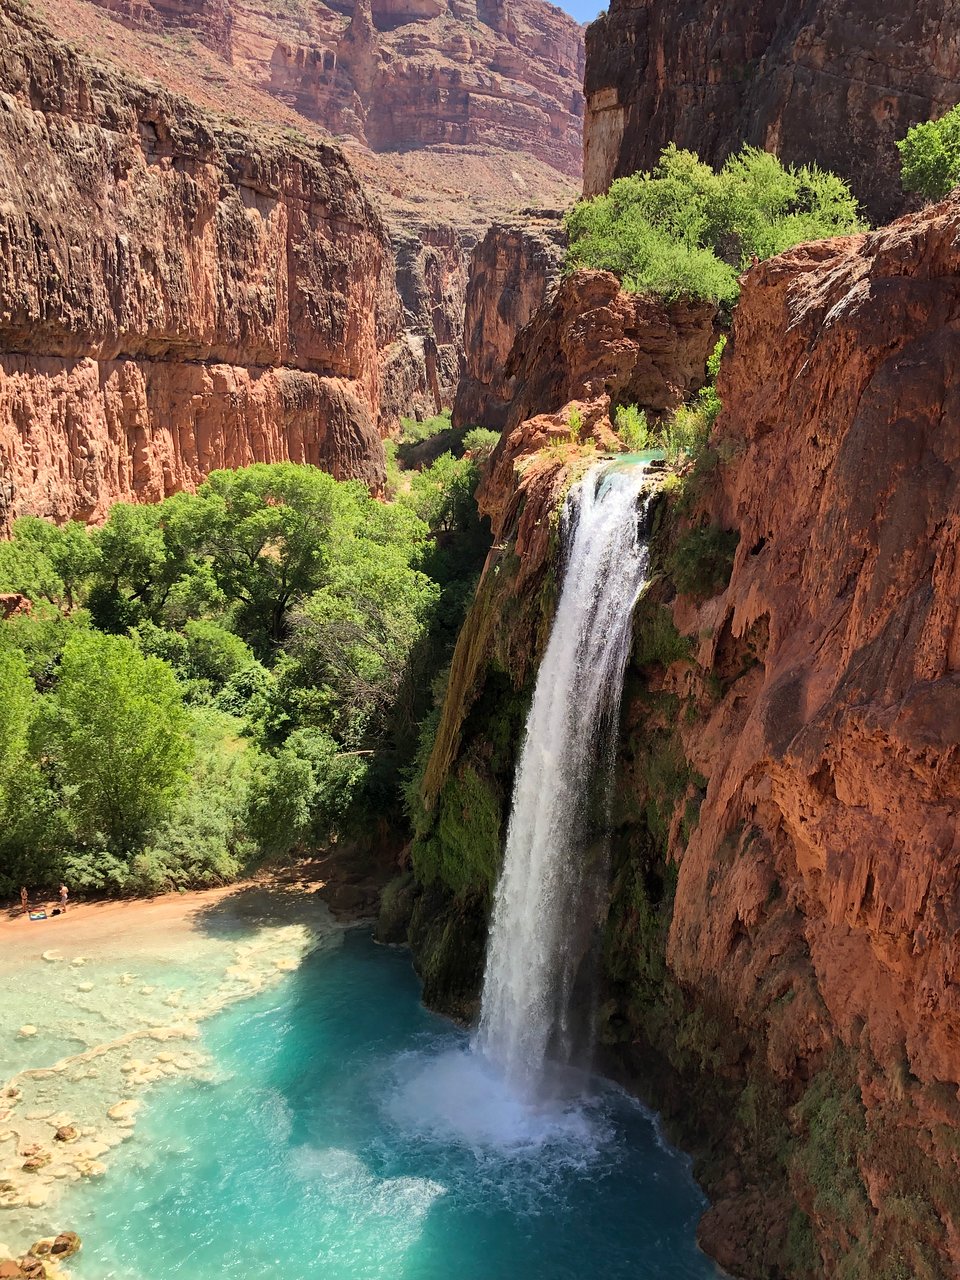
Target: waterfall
550, 888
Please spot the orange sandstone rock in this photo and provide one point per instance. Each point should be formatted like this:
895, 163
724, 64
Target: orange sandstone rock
175, 294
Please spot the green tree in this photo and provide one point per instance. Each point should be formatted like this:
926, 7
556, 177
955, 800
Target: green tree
280, 802
267, 531
930, 156
353, 637
119, 733
148, 559
685, 230
17, 709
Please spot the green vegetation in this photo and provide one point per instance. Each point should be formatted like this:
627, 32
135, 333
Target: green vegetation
701, 560
657, 642
633, 429
684, 230
684, 432
480, 442
414, 430
930, 156
223, 676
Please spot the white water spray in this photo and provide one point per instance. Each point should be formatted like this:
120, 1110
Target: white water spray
549, 890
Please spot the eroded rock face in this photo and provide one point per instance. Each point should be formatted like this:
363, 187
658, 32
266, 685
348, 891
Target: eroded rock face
816, 906
211, 19
593, 339
175, 295
426, 72
835, 81
513, 270
432, 280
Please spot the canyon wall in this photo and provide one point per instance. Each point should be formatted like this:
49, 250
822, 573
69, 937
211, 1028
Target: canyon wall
815, 910
513, 270
452, 115
176, 294
212, 20
831, 81
780, 960
428, 72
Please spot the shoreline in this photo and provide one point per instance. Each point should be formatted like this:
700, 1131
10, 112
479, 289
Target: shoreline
116, 995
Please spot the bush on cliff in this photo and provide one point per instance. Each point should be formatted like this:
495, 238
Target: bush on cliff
684, 230
930, 156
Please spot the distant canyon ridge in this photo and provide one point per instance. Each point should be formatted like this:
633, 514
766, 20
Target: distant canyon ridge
237, 232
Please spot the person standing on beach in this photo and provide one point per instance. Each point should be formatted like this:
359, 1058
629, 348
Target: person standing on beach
64, 894
24, 900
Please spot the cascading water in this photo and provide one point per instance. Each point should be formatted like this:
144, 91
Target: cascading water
549, 888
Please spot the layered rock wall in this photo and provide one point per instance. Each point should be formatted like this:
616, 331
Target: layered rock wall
513, 271
423, 74
175, 294
211, 19
831, 81
816, 904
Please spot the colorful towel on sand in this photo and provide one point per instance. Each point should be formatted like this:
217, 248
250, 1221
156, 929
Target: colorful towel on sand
38, 915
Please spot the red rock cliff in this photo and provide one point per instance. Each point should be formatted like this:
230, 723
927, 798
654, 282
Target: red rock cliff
817, 901
423, 72
836, 81
781, 961
513, 270
175, 294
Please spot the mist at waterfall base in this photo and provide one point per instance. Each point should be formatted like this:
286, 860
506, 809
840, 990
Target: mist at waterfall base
311, 1154
353, 1135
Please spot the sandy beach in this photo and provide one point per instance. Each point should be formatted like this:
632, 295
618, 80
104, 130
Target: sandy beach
106, 928
105, 1002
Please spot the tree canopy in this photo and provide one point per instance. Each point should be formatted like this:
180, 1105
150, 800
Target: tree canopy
930, 156
687, 230
225, 674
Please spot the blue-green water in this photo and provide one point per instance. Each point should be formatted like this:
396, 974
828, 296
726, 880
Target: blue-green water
351, 1135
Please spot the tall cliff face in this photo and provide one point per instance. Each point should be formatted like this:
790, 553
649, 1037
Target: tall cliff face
832, 81
816, 904
452, 115
513, 270
407, 75
780, 959
175, 294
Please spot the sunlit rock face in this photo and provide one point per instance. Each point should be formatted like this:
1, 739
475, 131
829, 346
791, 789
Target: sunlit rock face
175, 295
513, 270
212, 20
402, 74
816, 905
832, 81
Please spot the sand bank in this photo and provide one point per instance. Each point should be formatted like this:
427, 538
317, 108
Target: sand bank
105, 1002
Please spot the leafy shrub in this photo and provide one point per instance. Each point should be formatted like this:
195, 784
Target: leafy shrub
930, 156
633, 429
412, 430
203, 842
480, 442
658, 642
685, 230
117, 729
701, 561
213, 653
279, 804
